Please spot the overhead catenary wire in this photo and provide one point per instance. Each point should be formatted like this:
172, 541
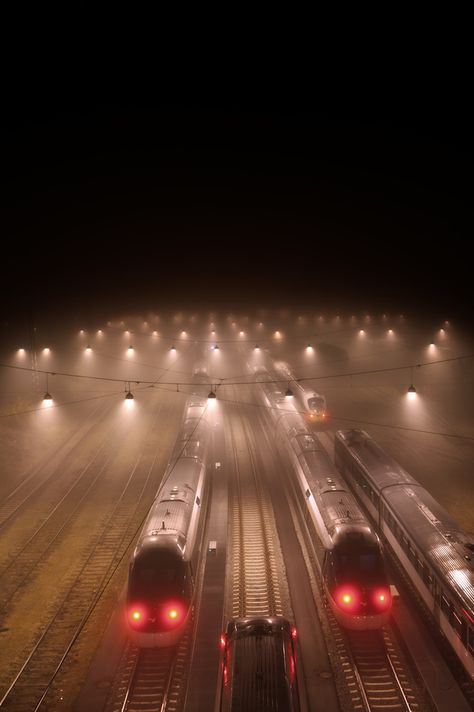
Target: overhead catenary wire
299, 379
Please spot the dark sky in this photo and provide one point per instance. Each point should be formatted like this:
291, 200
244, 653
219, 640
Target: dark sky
127, 205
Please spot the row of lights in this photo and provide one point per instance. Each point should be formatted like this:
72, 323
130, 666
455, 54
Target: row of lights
48, 399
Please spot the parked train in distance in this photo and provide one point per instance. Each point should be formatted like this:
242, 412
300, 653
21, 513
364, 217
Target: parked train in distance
353, 570
435, 553
259, 666
314, 404
163, 566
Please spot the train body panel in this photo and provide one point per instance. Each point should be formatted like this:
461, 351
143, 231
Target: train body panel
353, 571
163, 566
434, 551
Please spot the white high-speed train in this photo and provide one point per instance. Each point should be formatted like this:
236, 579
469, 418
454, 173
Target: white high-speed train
353, 570
161, 580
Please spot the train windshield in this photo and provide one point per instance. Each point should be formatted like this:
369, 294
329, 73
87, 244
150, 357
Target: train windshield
317, 403
159, 575
364, 564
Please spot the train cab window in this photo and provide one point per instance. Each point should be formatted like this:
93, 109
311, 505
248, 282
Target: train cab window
159, 575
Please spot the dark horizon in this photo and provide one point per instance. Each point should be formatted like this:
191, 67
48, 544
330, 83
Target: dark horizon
117, 208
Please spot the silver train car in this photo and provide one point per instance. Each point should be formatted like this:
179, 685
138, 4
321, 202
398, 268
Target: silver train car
353, 570
435, 553
163, 566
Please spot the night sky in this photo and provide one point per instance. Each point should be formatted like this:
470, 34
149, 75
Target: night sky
121, 206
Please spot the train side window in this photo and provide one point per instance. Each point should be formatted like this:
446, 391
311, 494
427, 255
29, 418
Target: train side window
470, 640
446, 607
425, 574
459, 627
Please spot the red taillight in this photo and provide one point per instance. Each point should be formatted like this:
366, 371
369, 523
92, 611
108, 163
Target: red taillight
294, 632
382, 599
136, 616
348, 599
222, 641
173, 614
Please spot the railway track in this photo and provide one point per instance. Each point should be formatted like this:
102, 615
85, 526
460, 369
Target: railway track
63, 514
151, 679
256, 571
377, 677
50, 470
35, 679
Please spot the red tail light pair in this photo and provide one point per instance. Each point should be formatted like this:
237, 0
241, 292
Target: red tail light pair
171, 614
348, 599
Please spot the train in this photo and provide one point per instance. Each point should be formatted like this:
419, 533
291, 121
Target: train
434, 552
314, 404
353, 570
164, 563
259, 666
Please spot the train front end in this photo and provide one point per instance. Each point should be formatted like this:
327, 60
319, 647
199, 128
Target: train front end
159, 595
355, 580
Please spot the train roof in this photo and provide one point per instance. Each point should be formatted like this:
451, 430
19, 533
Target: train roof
383, 469
162, 541
248, 626
357, 535
259, 664
434, 531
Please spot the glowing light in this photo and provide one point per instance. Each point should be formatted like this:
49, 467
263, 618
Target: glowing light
155, 333
126, 331
411, 392
81, 331
46, 350
361, 332
294, 632
222, 641
241, 333
173, 614
277, 334
288, 393
211, 399
136, 616
347, 598
130, 348
257, 347
216, 347
100, 332
88, 348
183, 333
47, 399
390, 331
382, 599
173, 348
309, 347
21, 352
129, 396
